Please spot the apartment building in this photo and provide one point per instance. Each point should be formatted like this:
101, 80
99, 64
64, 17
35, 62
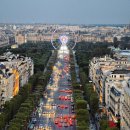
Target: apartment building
38, 37
109, 77
109, 39
98, 70
15, 71
96, 38
20, 38
114, 85
6, 84
125, 107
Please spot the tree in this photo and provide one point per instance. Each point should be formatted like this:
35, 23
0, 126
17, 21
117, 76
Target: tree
3, 120
82, 126
88, 92
83, 78
82, 119
94, 103
76, 91
19, 108
81, 104
115, 42
112, 128
14, 128
77, 94
76, 85
103, 124
82, 115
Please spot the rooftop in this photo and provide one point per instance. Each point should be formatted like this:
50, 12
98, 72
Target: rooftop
125, 52
121, 71
115, 92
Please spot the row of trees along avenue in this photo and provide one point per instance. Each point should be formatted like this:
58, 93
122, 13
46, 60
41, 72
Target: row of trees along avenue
80, 105
16, 113
84, 53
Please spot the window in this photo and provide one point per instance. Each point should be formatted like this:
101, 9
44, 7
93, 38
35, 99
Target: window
121, 76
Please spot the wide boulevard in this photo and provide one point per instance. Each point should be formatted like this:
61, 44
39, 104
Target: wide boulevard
56, 108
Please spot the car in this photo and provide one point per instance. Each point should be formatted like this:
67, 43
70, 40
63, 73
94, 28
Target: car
59, 124
72, 107
65, 120
56, 121
53, 104
65, 125
61, 120
34, 120
40, 125
71, 123
72, 111
69, 91
61, 106
65, 106
66, 98
61, 97
73, 116
61, 90
72, 100
44, 113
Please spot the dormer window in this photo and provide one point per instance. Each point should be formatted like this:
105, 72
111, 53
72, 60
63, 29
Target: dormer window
121, 76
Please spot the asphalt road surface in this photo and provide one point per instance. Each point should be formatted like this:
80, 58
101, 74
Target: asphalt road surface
56, 108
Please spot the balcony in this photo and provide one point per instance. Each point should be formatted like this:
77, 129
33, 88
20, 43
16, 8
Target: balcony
111, 110
116, 100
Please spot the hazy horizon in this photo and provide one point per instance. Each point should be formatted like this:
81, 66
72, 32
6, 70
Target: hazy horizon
77, 12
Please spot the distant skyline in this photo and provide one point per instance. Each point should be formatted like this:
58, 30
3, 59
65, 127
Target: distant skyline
65, 11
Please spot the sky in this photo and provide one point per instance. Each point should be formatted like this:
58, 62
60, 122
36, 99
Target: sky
65, 11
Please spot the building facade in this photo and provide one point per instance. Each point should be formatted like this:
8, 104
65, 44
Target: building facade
109, 77
20, 38
15, 71
125, 108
